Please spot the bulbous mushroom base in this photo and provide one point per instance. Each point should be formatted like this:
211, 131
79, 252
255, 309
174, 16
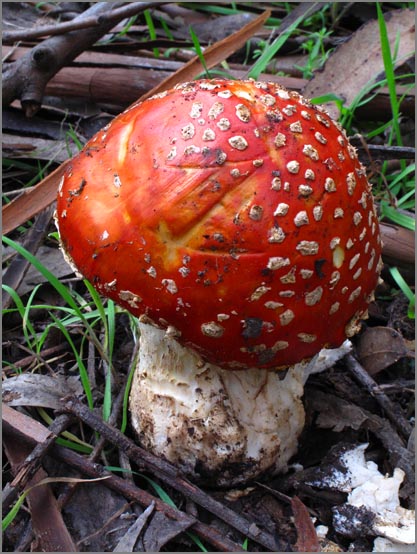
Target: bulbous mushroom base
219, 427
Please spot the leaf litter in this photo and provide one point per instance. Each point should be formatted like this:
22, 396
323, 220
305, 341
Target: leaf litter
334, 414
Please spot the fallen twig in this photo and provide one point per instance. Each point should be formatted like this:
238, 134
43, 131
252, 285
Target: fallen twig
168, 474
78, 23
21, 427
27, 77
390, 408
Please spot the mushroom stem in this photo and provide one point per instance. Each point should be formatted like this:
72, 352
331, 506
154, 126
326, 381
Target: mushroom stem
219, 427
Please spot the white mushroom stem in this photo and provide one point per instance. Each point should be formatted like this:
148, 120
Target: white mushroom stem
219, 427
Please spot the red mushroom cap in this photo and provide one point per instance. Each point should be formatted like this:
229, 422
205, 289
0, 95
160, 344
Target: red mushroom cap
233, 212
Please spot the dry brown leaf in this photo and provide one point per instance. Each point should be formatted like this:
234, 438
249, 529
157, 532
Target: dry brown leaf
379, 347
48, 525
307, 540
33, 389
359, 60
32, 201
213, 55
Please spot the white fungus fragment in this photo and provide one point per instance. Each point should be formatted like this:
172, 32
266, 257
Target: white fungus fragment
307, 337
116, 180
334, 308
170, 285
259, 292
317, 213
208, 135
320, 138
313, 297
289, 277
296, 127
272, 305
293, 166
196, 110
216, 109
238, 142
243, 113
286, 317
305, 190
306, 273
192, 149
276, 235
309, 174
212, 330
329, 185
307, 247
267, 100
277, 262
351, 183
301, 219
223, 317
354, 294
354, 260
282, 209
311, 152
132, 299
223, 124
357, 218
151, 271
280, 140
276, 183
224, 93
188, 131
256, 212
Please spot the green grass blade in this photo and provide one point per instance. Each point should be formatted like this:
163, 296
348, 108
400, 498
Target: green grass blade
397, 217
27, 327
269, 52
152, 30
7, 520
61, 289
81, 367
199, 52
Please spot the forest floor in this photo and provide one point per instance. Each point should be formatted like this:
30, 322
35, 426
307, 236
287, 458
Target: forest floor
73, 478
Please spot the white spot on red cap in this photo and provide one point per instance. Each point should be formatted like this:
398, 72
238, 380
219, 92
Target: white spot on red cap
293, 166
238, 142
286, 317
301, 219
313, 297
212, 330
223, 124
308, 247
282, 209
277, 262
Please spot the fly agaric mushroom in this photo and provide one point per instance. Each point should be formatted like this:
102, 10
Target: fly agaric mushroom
235, 219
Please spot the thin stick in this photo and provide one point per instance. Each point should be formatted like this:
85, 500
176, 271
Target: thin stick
78, 23
169, 474
129, 490
392, 411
